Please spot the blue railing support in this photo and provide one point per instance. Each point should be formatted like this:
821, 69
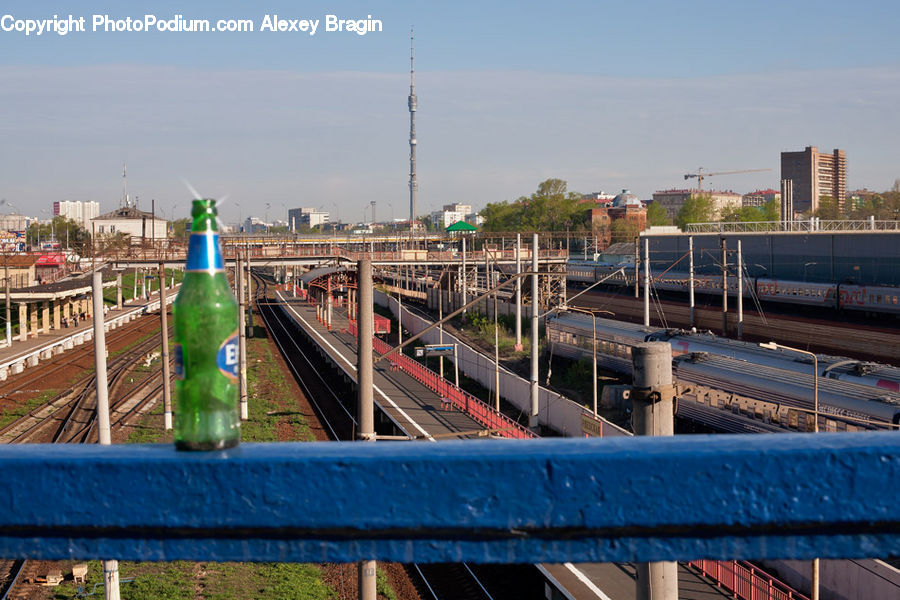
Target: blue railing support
639, 499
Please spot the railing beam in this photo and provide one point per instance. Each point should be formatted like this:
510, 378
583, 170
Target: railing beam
787, 496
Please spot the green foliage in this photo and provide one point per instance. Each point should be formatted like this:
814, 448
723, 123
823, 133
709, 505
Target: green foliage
383, 587
829, 210
744, 214
181, 228
550, 208
699, 208
622, 230
657, 215
771, 211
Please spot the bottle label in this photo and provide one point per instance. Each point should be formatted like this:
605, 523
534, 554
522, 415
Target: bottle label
179, 361
203, 252
227, 357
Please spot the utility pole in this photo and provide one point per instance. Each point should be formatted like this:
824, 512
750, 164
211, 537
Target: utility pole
691, 277
535, 308
740, 293
653, 414
366, 414
110, 567
242, 339
8, 309
646, 282
518, 292
724, 288
164, 340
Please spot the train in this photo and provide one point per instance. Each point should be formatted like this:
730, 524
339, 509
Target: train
772, 386
873, 299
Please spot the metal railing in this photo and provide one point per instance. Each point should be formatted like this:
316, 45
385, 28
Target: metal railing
746, 581
806, 225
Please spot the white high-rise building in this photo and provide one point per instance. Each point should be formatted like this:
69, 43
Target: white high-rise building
80, 212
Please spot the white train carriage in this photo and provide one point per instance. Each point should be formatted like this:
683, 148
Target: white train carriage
870, 298
797, 292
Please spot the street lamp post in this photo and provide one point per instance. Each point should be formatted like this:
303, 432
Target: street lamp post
773, 346
593, 346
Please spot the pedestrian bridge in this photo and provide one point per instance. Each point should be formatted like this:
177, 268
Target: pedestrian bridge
794, 496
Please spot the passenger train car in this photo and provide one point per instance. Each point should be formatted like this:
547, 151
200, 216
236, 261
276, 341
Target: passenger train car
743, 377
838, 296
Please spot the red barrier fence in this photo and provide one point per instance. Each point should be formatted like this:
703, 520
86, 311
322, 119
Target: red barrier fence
746, 581
453, 396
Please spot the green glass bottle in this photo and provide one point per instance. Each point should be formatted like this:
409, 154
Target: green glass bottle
206, 343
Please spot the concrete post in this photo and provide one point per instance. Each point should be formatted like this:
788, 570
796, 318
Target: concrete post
67, 309
164, 340
518, 292
45, 315
646, 282
465, 277
652, 403
740, 293
242, 340
110, 567
364, 373
57, 321
535, 307
119, 291
34, 320
23, 322
724, 288
691, 278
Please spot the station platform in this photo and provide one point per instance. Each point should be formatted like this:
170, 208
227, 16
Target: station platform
50, 340
421, 412
418, 410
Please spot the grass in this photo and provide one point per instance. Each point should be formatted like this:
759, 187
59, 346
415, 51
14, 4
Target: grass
109, 294
17, 412
269, 391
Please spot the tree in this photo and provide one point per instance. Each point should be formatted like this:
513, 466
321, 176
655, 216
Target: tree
699, 208
623, 230
828, 209
549, 208
771, 210
657, 215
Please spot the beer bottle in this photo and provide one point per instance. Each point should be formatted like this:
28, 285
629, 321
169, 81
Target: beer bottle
206, 343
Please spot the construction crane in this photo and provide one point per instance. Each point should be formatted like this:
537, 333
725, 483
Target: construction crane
700, 175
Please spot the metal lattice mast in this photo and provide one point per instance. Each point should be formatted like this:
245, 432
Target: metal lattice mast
413, 184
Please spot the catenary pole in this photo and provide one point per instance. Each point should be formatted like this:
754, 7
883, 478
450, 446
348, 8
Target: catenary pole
242, 340
535, 309
518, 293
646, 282
164, 340
110, 567
653, 414
366, 414
691, 278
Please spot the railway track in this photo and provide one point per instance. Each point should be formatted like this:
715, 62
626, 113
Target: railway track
70, 417
855, 341
335, 407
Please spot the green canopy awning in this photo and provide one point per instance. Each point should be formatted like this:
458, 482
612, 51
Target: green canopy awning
462, 226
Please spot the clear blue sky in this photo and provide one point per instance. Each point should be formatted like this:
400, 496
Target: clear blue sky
603, 95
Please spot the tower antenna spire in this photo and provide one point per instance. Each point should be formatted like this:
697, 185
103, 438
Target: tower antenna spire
413, 183
124, 201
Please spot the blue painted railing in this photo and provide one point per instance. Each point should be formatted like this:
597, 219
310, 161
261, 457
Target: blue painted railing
641, 499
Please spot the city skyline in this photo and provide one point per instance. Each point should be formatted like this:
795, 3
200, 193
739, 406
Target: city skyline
604, 97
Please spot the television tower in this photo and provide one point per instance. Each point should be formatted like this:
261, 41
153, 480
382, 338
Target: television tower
413, 184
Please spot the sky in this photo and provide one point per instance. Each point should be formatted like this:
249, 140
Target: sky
607, 96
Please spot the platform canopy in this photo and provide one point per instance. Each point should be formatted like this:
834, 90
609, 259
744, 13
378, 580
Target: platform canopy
461, 226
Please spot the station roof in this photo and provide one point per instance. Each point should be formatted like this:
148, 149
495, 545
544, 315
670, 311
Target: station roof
321, 272
462, 226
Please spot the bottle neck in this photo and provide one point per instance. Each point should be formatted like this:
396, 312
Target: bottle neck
204, 254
